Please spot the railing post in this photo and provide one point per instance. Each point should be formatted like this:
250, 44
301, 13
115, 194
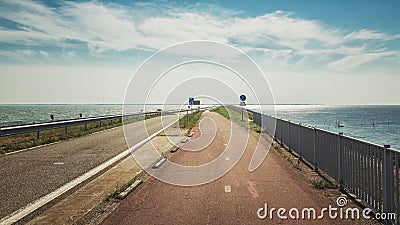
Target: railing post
280, 138
299, 140
340, 159
388, 189
288, 144
275, 131
315, 151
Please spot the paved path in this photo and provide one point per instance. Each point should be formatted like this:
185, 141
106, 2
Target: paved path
79, 203
231, 199
29, 175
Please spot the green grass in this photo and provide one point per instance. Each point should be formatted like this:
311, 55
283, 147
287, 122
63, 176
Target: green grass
255, 127
221, 110
28, 140
321, 183
151, 116
318, 183
237, 118
189, 121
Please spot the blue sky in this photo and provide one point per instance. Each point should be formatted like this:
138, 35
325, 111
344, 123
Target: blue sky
329, 52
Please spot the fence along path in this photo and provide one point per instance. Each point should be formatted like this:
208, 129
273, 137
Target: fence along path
368, 170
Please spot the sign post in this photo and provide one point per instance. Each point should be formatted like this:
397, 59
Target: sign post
242, 103
191, 103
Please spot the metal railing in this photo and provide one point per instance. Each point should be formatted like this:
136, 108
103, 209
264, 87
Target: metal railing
27, 128
369, 171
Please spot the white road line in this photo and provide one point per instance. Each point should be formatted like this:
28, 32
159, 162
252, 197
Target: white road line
31, 207
228, 188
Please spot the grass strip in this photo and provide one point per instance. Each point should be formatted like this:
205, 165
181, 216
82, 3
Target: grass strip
28, 140
190, 120
237, 117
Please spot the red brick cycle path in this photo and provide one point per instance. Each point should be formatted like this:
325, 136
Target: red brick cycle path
232, 199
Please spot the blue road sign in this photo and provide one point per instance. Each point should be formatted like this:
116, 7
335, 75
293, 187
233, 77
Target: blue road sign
191, 101
243, 98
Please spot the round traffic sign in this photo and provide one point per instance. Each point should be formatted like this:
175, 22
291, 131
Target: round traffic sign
243, 98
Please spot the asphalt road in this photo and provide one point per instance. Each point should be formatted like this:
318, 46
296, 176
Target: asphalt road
29, 175
234, 198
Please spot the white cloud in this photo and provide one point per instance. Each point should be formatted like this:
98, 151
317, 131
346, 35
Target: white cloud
24, 37
163, 31
352, 61
104, 27
101, 27
284, 30
45, 54
18, 53
365, 34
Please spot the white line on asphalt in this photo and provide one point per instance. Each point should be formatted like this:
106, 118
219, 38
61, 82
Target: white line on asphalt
228, 188
31, 207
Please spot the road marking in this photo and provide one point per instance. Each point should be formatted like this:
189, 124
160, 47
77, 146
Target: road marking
226, 157
58, 163
158, 163
31, 207
228, 188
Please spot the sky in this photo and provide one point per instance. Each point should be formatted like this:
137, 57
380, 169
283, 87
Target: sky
312, 52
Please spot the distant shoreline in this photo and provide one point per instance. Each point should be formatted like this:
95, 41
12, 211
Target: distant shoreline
118, 104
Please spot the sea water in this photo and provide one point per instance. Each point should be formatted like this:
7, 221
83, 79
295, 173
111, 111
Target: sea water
28, 114
379, 124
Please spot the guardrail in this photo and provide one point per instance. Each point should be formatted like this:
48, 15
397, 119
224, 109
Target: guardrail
369, 171
20, 129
